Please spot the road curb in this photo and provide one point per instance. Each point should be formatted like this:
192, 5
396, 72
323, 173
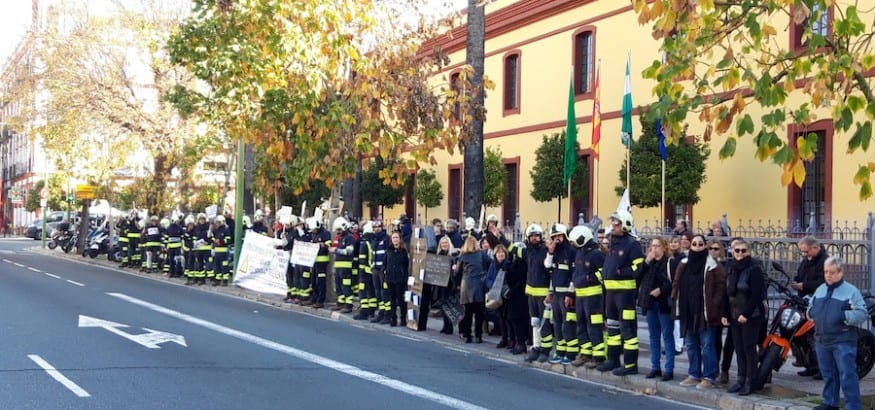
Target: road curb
716, 398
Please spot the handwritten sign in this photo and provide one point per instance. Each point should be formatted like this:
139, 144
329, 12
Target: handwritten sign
437, 270
304, 253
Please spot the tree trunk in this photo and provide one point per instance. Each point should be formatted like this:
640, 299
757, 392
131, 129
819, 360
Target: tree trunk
155, 200
475, 54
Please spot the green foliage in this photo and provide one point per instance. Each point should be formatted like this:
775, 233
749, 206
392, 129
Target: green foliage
427, 191
375, 191
684, 170
33, 196
494, 178
547, 172
206, 196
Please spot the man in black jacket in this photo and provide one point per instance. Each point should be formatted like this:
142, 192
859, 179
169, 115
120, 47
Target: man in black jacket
808, 278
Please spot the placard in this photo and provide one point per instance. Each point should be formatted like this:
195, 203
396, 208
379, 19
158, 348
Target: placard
262, 266
437, 270
304, 253
415, 288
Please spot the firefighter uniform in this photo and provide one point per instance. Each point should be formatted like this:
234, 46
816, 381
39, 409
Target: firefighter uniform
368, 298
173, 243
379, 245
561, 264
344, 254
221, 240
188, 249
123, 227
318, 273
136, 225
152, 235
589, 300
623, 265
537, 288
202, 249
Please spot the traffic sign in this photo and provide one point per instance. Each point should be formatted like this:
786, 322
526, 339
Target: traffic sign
85, 191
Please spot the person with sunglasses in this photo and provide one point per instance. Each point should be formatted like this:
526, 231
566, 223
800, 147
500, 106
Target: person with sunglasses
698, 294
744, 312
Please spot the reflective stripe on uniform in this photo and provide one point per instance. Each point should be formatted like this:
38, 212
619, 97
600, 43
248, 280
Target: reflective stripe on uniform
628, 314
533, 291
615, 284
588, 291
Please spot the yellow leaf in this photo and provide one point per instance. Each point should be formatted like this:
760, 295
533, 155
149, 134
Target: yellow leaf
769, 30
798, 173
786, 176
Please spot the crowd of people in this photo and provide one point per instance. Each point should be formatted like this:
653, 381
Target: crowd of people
569, 296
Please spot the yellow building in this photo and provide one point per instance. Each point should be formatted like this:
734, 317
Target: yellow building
531, 47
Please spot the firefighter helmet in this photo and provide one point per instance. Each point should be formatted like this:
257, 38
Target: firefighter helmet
246, 221
340, 224
313, 223
201, 216
534, 229
368, 227
189, 219
558, 229
625, 220
165, 222
492, 218
580, 235
219, 220
469, 223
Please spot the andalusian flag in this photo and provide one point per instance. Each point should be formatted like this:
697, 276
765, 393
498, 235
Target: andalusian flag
570, 138
627, 105
596, 115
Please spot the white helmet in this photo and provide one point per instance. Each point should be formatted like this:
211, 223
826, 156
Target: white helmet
534, 229
312, 223
469, 223
492, 218
625, 220
201, 216
368, 227
259, 213
340, 224
558, 229
165, 223
580, 235
189, 219
246, 221
219, 220
141, 223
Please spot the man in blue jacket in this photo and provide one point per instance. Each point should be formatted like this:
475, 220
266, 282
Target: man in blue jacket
837, 306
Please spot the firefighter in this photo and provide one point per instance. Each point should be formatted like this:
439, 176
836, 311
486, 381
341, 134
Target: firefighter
560, 262
623, 265
188, 249
152, 235
134, 232
589, 299
318, 273
343, 258
259, 226
201, 248
123, 227
173, 243
368, 299
221, 239
537, 288
302, 284
286, 234
379, 244
356, 236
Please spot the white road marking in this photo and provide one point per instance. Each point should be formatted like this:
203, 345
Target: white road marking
312, 358
457, 350
408, 338
18, 264
7, 252
58, 376
7, 261
75, 283
34, 269
51, 275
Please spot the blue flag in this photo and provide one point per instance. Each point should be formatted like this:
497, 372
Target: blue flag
663, 152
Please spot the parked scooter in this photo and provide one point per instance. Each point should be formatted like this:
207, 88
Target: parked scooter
98, 242
792, 329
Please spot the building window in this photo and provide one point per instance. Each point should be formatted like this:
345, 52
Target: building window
810, 206
455, 192
510, 205
819, 23
512, 83
584, 57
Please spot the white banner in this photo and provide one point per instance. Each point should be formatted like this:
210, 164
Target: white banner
262, 266
304, 253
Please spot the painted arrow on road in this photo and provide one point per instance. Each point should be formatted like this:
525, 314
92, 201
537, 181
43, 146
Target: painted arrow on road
150, 340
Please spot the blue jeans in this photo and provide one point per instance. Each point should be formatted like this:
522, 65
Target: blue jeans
702, 353
838, 366
660, 325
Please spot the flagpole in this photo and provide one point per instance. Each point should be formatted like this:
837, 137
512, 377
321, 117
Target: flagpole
662, 204
596, 123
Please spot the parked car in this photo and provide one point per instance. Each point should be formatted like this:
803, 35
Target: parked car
35, 229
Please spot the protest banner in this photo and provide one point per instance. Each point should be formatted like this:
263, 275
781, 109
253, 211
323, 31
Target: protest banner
262, 266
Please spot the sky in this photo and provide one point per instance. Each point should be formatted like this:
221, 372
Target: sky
14, 22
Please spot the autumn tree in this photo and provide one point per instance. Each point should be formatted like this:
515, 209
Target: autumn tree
737, 56
97, 82
316, 85
375, 191
427, 191
684, 169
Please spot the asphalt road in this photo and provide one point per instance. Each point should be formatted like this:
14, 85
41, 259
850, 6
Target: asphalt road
81, 336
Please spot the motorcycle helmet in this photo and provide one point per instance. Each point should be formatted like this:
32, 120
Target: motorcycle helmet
580, 235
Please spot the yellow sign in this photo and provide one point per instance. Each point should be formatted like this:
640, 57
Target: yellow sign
85, 191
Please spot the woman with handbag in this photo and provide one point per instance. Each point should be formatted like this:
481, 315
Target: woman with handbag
472, 288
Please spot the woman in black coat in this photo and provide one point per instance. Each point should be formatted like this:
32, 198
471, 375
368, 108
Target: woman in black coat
397, 271
472, 288
744, 312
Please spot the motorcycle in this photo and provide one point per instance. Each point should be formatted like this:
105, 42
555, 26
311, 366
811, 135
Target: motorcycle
74, 239
98, 243
791, 329
60, 238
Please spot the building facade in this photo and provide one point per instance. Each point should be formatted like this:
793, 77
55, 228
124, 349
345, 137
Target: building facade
533, 47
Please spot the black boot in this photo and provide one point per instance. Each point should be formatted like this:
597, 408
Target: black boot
745, 390
378, 317
735, 388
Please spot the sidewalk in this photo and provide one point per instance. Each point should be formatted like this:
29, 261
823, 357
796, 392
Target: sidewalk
787, 391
